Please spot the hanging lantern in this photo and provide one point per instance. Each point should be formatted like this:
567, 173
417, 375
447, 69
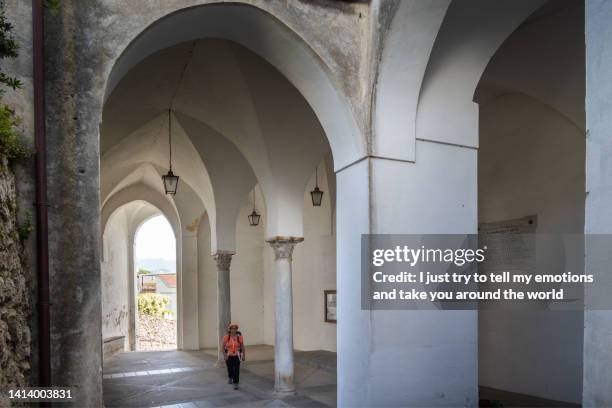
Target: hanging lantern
316, 195
254, 216
170, 180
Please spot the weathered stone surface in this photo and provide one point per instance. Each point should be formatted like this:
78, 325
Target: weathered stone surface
14, 297
19, 13
73, 194
155, 333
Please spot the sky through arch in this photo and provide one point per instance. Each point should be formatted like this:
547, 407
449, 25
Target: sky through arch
155, 245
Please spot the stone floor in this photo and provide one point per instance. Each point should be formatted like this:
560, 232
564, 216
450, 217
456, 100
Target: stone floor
189, 379
514, 400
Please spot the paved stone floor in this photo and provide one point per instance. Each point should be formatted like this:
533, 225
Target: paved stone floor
189, 379
514, 400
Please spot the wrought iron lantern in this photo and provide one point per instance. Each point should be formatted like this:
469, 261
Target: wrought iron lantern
170, 180
254, 217
316, 195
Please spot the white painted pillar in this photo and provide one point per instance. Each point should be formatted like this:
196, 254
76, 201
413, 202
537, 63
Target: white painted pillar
597, 353
405, 357
352, 220
224, 304
283, 340
132, 303
179, 292
189, 284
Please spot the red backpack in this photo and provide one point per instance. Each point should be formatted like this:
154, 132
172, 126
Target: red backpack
226, 340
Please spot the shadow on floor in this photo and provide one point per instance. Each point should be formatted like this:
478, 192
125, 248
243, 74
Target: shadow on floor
189, 379
490, 397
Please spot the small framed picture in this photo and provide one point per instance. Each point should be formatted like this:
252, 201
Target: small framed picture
330, 306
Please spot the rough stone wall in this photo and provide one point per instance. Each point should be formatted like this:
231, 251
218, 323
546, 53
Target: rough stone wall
19, 13
155, 333
16, 197
14, 295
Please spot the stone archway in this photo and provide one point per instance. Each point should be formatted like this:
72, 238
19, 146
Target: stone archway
146, 194
269, 38
266, 35
288, 53
155, 331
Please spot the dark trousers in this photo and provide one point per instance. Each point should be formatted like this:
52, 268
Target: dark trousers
233, 368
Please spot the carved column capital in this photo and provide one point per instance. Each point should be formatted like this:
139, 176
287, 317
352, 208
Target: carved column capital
283, 246
224, 259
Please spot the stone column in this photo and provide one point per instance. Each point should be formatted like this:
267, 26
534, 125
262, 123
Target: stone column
73, 150
189, 293
224, 304
283, 340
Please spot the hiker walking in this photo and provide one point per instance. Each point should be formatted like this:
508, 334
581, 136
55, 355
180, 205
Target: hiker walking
233, 353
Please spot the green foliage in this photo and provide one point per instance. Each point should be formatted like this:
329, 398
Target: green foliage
25, 228
8, 48
53, 6
12, 143
153, 304
143, 271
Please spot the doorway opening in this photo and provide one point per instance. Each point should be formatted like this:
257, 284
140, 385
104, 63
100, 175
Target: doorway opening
155, 285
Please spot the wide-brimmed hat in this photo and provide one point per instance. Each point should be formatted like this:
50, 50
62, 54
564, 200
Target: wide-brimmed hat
232, 325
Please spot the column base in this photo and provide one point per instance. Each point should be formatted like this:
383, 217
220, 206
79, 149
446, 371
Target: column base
284, 385
283, 393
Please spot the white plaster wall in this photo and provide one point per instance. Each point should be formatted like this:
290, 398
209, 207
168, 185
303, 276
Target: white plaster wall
261, 33
247, 278
246, 281
231, 176
269, 294
207, 288
226, 91
531, 162
353, 187
115, 277
426, 358
431, 360
148, 146
295, 143
406, 50
470, 34
314, 270
543, 59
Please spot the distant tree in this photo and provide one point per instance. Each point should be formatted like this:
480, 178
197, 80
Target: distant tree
153, 304
143, 271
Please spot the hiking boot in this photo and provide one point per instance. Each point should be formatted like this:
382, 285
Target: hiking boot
235, 386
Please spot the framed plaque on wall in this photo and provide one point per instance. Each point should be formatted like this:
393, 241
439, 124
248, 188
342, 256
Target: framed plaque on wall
330, 306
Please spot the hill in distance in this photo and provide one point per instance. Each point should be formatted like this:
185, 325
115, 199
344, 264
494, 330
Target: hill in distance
156, 265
